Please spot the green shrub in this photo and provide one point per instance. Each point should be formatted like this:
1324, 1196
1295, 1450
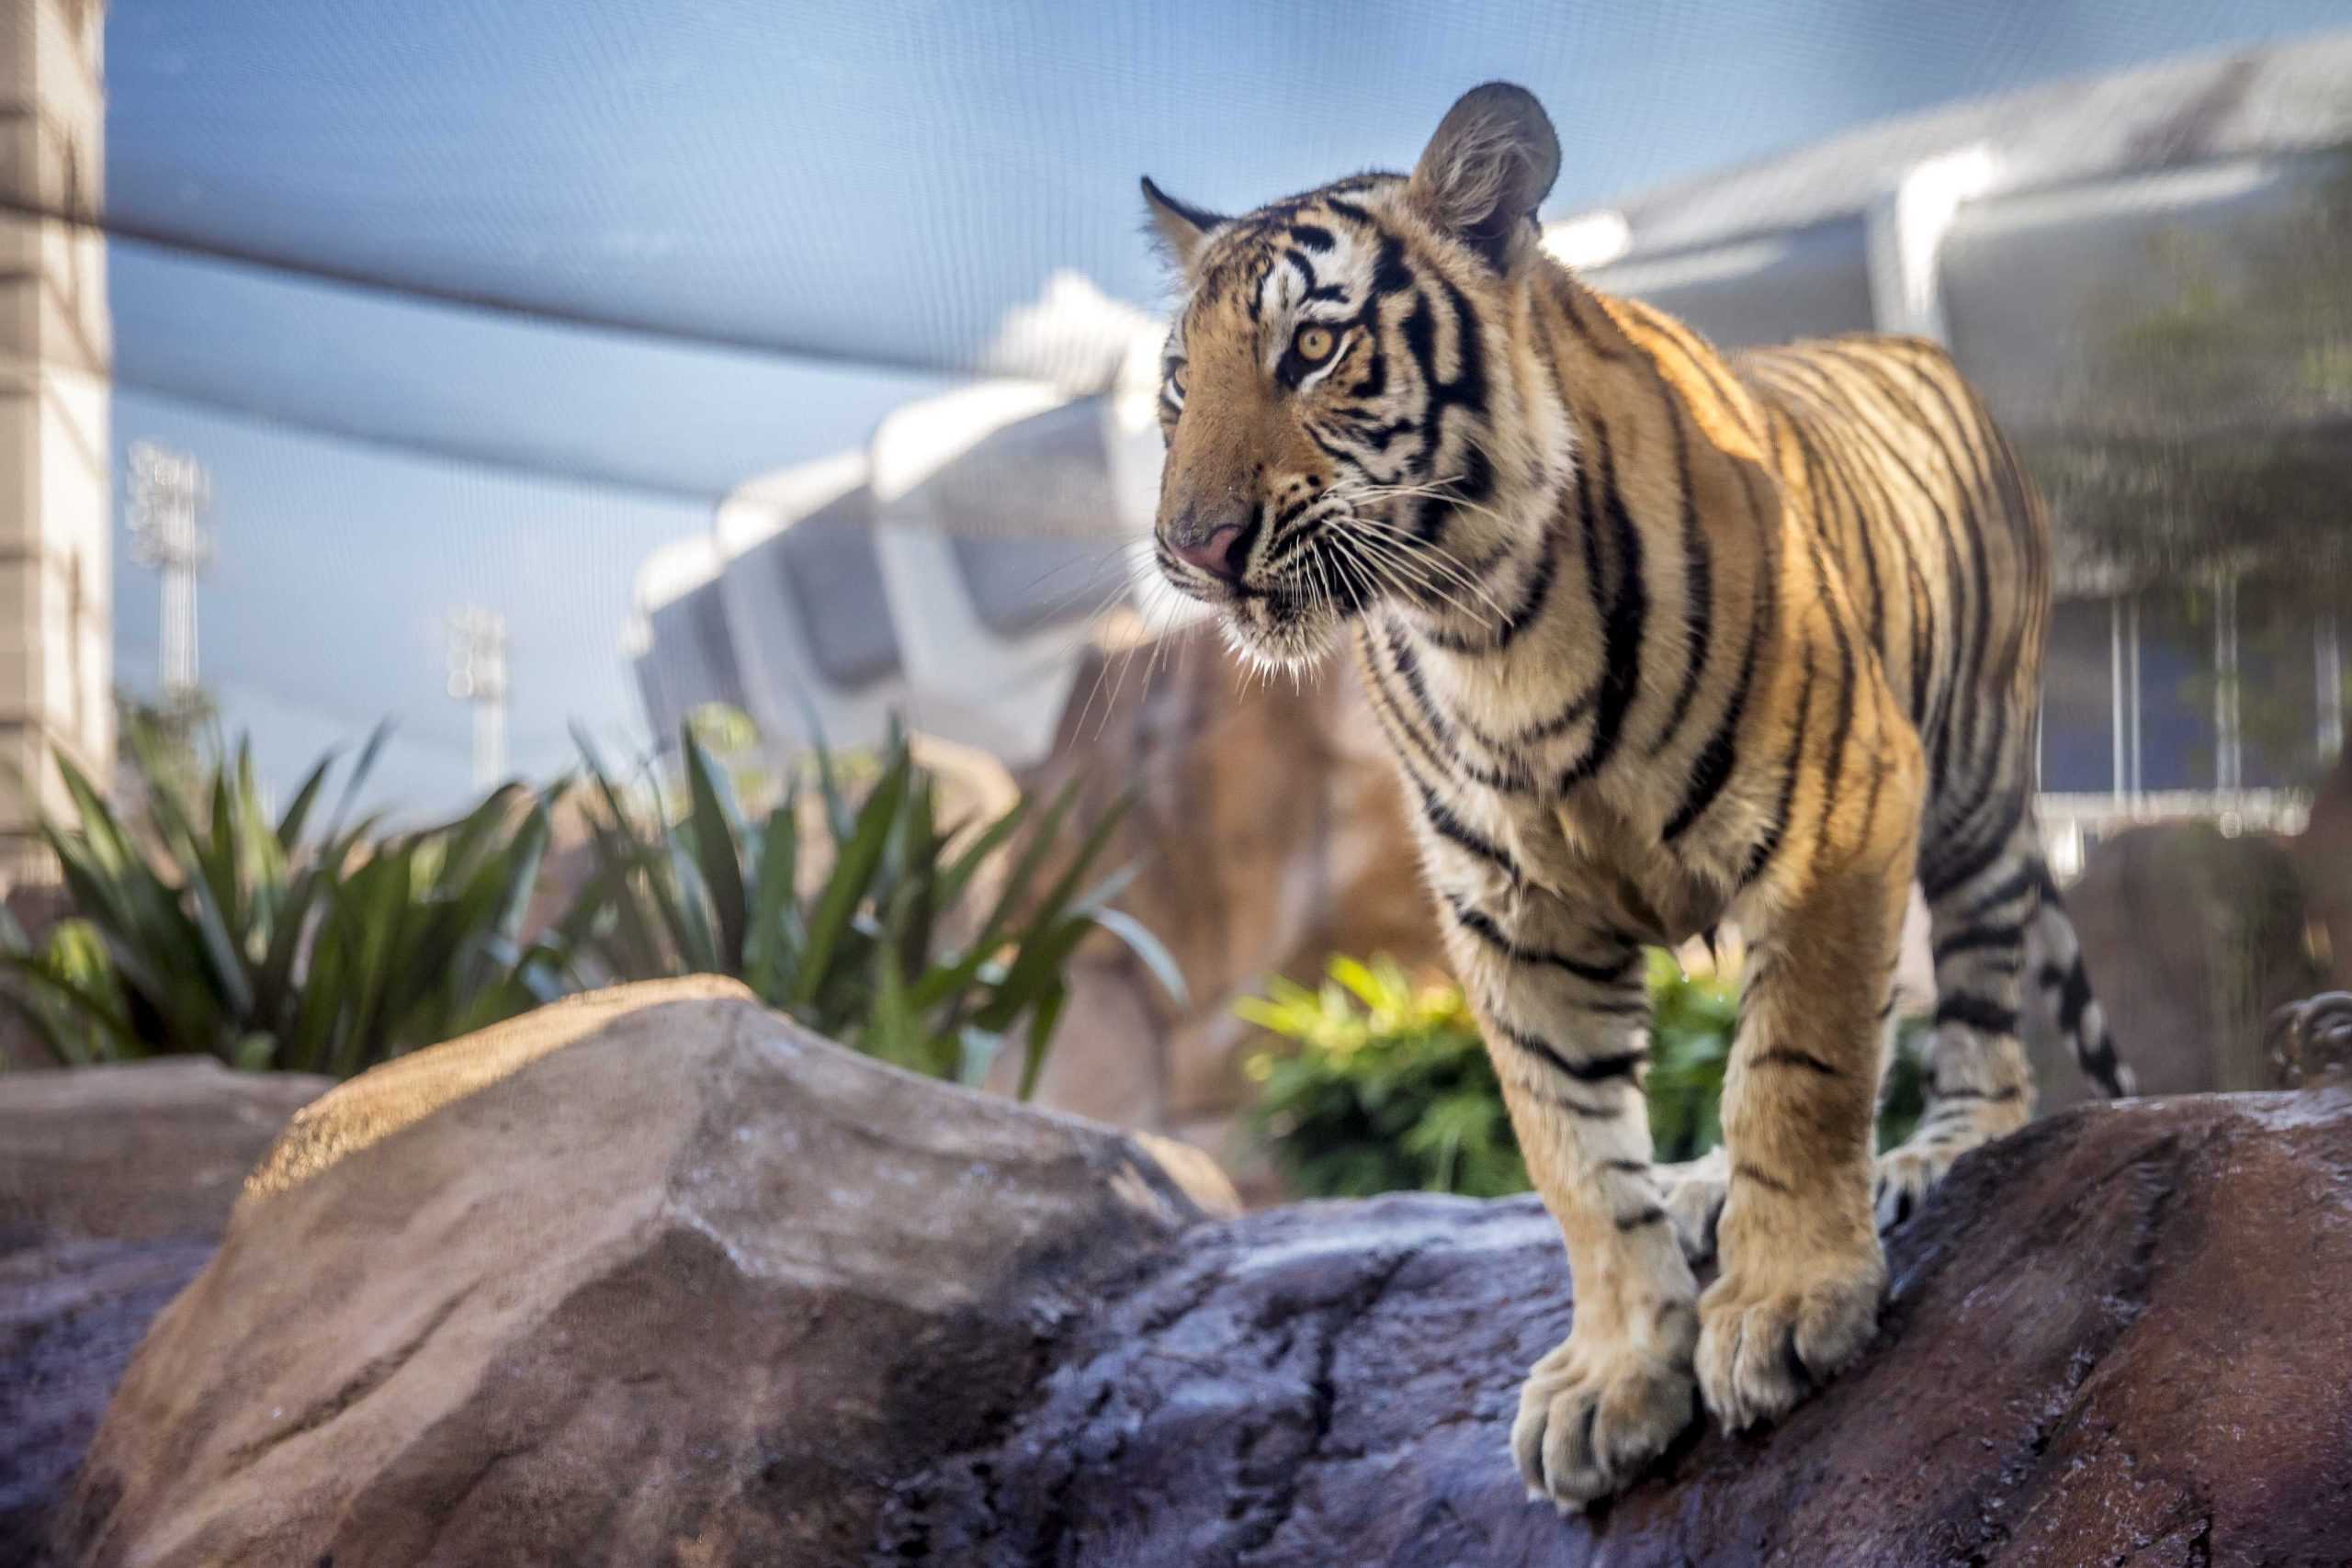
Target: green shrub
203, 926
1385, 1086
869, 957
1389, 1088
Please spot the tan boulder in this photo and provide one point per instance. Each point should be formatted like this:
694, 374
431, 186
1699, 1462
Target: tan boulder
648, 1276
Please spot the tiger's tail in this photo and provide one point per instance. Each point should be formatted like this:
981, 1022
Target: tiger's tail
2055, 956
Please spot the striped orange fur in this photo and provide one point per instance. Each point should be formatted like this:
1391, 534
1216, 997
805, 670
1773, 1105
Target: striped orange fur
1660, 639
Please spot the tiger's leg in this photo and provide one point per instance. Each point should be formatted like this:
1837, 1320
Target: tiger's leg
1979, 1083
1802, 1270
1566, 1015
1695, 1188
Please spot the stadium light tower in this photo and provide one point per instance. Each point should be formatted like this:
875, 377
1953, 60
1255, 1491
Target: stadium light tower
168, 493
478, 675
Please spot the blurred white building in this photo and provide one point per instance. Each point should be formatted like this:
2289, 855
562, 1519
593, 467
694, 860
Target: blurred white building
945, 581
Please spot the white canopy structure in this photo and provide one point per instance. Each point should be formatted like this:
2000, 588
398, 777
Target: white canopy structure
948, 572
947, 575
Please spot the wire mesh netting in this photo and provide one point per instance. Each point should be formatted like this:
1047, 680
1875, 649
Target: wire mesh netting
489, 305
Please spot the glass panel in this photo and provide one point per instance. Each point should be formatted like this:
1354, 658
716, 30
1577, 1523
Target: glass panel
2078, 698
2176, 734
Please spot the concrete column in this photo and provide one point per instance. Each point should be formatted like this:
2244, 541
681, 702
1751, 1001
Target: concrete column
56, 365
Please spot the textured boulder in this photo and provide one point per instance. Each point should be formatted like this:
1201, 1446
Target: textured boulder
648, 1276
2117, 1338
2322, 855
654, 1278
2193, 938
137, 1153
115, 1184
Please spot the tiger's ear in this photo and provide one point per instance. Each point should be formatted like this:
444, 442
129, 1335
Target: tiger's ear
1183, 231
1492, 161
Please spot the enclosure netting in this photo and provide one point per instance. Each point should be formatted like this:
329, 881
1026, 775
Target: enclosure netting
486, 302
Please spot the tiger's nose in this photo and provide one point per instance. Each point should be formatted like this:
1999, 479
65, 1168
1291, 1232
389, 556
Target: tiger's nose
1209, 547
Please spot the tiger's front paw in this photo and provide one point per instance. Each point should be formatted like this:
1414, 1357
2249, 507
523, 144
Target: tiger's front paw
1595, 1412
1769, 1336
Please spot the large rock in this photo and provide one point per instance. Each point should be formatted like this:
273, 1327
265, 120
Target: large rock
137, 1152
2193, 938
115, 1184
648, 1276
655, 1278
2323, 855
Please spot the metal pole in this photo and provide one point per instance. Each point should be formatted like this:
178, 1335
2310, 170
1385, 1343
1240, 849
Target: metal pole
168, 491
478, 675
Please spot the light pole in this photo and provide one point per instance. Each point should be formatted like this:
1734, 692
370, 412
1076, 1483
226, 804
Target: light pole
168, 489
478, 675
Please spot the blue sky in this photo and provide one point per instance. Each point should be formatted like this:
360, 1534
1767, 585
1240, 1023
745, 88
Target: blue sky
849, 194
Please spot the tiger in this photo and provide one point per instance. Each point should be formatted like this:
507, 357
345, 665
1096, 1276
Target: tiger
1661, 640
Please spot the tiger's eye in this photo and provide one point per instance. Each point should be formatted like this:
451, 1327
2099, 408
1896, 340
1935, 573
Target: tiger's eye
1314, 345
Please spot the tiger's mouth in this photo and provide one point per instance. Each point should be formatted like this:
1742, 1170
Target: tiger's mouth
1355, 551
1289, 621
1280, 627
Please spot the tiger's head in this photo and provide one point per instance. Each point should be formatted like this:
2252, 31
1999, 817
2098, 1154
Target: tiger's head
1352, 414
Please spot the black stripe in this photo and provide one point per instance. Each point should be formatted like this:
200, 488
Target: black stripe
1401, 731
1935, 726
1810, 455
1543, 729
1834, 765
1453, 830
1512, 780
1626, 613
1478, 923
1770, 1183
1575, 1107
1972, 523
1713, 767
1702, 357
1615, 1066
1979, 936
1790, 1057
1980, 1013
1942, 877
1769, 844
1698, 618
1651, 1215
1534, 594
2073, 996
1572, 298
2014, 886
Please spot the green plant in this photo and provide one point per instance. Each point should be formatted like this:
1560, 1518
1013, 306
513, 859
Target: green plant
875, 952
1692, 1019
204, 925
1389, 1087
1384, 1086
